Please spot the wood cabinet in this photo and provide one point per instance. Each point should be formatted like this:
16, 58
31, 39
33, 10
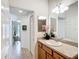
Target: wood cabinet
57, 56
48, 50
46, 53
41, 53
49, 56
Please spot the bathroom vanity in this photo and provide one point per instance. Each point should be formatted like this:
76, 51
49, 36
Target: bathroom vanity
51, 51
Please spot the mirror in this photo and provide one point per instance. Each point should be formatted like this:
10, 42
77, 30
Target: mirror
53, 24
41, 25
68, 23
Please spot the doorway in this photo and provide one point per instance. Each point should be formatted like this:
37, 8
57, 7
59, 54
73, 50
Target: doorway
16, 31
23, 30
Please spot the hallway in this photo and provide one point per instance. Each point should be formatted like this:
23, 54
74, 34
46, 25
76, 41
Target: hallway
16, 52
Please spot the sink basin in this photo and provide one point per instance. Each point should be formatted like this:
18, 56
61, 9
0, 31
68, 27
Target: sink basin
53, 42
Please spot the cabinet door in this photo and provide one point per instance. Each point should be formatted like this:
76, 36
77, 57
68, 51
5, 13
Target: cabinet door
49, 56
57, 56
41, 53
62, 57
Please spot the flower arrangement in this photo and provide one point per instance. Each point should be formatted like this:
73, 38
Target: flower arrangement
52, 34
48, 35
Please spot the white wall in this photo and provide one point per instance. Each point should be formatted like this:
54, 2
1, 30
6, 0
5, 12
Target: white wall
40, 7
6, 36
25, 35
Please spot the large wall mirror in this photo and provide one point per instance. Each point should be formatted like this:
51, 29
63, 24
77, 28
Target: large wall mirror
68, 25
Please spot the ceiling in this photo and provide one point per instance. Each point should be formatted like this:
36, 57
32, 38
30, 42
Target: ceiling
66, 2
69, 2
15, 11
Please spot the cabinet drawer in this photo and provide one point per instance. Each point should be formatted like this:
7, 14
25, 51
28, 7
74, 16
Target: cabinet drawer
39, 44
57, 56
48, 50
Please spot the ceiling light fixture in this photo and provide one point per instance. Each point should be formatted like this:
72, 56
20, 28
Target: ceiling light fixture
61, 8
18, 21
20, 11
2, 7
41, 17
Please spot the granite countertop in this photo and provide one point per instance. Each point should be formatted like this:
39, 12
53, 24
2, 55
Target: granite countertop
66, 50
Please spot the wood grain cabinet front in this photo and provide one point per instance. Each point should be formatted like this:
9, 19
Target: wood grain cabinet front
46, 53
48, 50
39, 44
62, 57
57, 56
41, 53
49, 56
